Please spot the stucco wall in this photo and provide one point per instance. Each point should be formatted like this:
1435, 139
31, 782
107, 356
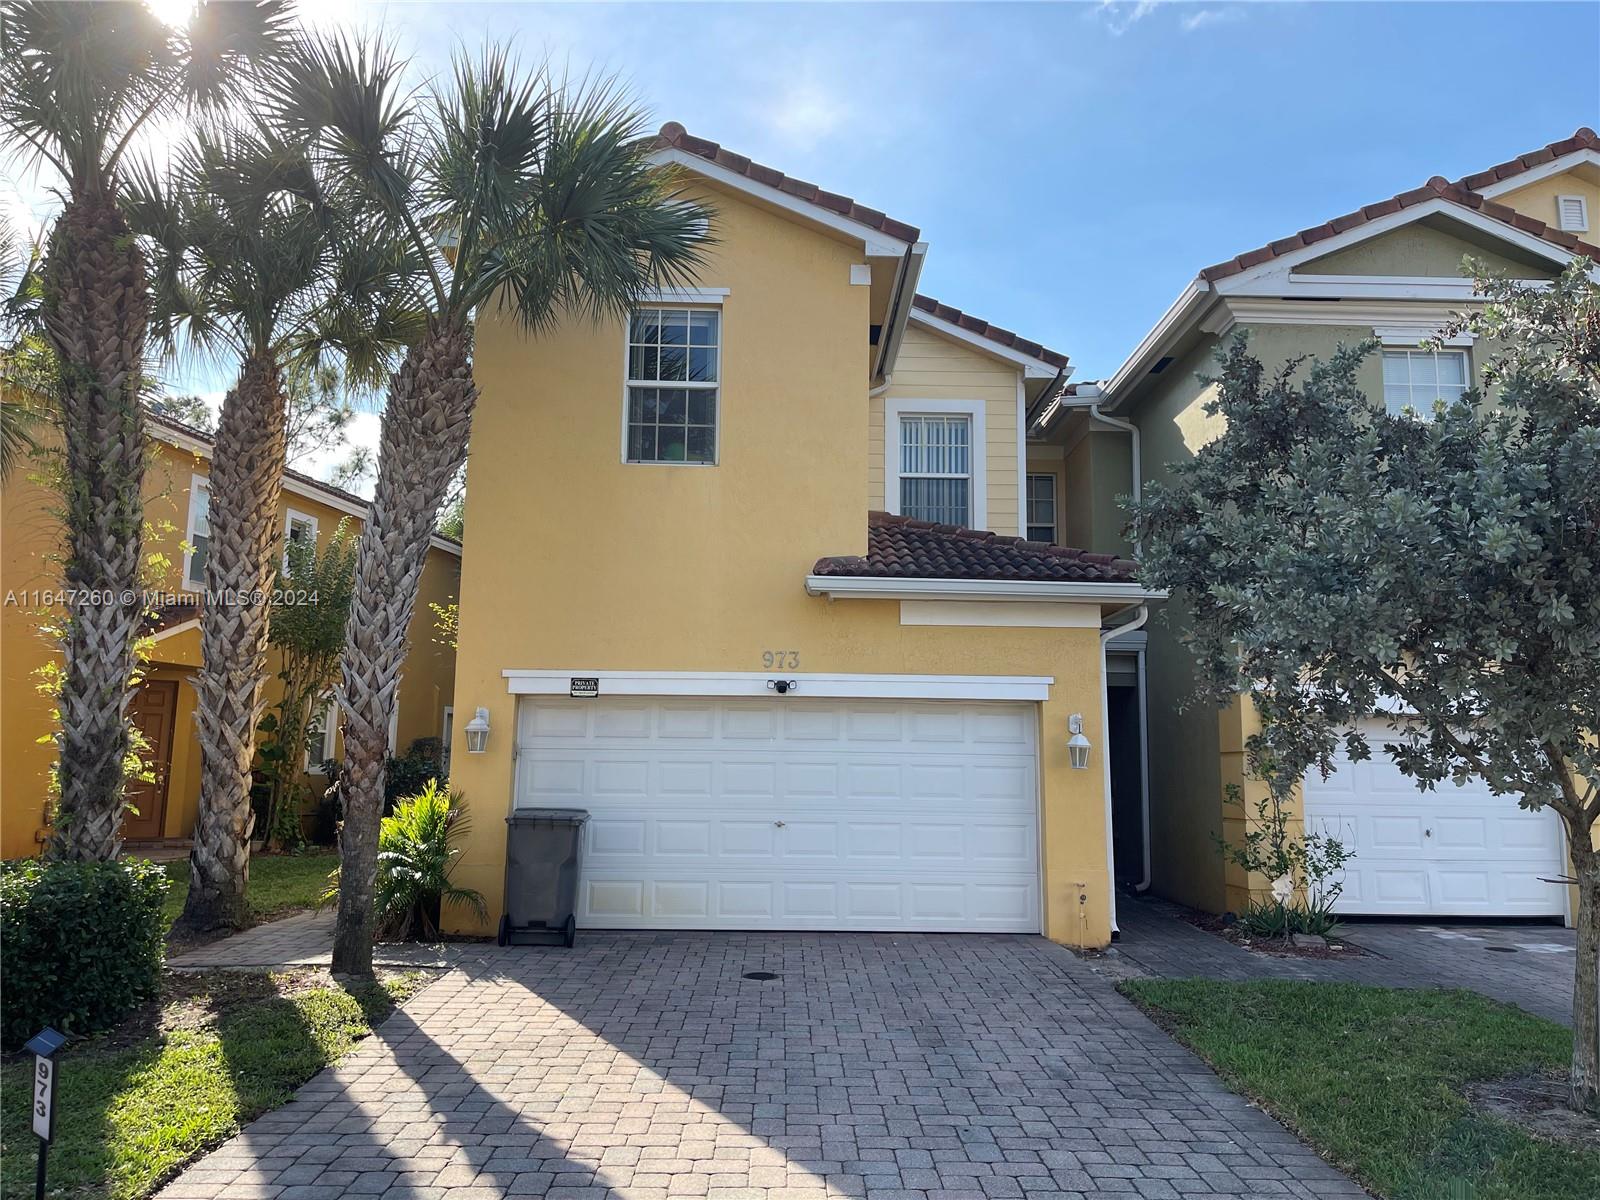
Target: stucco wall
1419, 249
590, 563
1538, 200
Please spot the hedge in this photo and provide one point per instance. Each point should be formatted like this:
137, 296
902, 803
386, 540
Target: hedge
80, 944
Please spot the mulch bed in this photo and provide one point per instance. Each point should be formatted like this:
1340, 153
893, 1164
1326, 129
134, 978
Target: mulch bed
1232, 931
1537, 1104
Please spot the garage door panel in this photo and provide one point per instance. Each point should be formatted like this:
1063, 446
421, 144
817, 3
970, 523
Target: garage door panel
778, 814
1456, 850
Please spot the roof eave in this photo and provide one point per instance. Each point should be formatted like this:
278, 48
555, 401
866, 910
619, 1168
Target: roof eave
877, 587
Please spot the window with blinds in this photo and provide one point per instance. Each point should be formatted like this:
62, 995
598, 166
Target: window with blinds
936, 469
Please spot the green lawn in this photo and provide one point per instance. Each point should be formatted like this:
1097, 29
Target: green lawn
1372, 1078
136, 1104
279, 883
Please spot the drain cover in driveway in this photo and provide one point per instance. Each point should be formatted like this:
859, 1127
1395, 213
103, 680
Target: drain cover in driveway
1501, 949
759, 975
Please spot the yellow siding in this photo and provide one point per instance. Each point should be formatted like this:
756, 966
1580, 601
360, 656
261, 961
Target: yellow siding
931, 367
32, 541
589, 563
1538, 200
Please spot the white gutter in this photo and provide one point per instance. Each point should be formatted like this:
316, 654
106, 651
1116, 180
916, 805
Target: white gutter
1106, 634
875, 587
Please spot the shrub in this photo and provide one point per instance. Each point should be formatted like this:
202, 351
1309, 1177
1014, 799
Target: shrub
80, 943
408, 774
416, 849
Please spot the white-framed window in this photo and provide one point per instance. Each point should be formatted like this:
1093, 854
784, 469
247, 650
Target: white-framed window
1415, 378
445, 734
674, 370
934, 461
322, 735
298, 529
197, 537
1041, 504
1572, 214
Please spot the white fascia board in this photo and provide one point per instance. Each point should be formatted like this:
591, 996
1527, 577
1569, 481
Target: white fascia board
1280, 269
1172, 325
806, 686
907, 273
183, 626
868, 587
1032, 368
295, 487
874, 241
1556, 166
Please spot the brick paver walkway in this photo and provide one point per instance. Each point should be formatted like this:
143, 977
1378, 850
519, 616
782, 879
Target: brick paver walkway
306, 940
881, 1067
1530, 966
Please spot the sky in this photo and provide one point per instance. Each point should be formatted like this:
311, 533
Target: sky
1071, 165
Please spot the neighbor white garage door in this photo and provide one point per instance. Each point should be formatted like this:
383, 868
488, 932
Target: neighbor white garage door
1449, 852
793, 814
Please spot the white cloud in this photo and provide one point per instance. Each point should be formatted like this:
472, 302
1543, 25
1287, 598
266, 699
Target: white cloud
1210, 16
1120, 15
806, 114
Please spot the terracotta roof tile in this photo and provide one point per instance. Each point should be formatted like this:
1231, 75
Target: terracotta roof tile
984, 329
677, 137
1462, 191
901, 548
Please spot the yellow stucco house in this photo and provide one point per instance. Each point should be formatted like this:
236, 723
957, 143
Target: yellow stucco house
722, 588
162, 707
1390, 271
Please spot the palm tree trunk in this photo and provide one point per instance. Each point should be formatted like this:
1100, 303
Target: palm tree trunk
96, 308
422, 446
241, 567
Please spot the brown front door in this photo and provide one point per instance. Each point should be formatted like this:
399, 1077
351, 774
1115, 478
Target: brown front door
153, 711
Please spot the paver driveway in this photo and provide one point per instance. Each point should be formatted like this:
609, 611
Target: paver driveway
646, 1067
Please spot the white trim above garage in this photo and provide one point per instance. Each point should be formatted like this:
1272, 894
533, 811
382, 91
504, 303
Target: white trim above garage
802, 685
1000, 615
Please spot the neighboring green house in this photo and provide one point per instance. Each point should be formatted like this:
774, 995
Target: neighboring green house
1392, 271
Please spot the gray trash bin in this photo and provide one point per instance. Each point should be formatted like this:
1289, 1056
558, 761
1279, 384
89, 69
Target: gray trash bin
542, 860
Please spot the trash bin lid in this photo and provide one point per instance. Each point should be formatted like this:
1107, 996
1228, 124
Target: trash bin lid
571, 816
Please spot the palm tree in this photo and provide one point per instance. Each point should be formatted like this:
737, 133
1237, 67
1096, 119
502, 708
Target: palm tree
515, 192
78, 83
252, 257
25, 362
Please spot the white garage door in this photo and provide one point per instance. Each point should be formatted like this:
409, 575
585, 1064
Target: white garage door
793, 814
1450, 852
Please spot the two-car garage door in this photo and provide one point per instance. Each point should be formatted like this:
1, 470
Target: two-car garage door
788, 813
1454, 851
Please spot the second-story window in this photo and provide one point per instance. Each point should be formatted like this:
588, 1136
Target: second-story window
299, 529
1042, 508
198, 535
674, 367
1416, 378
936, 468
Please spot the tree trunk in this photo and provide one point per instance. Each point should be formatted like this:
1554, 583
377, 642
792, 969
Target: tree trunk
1586, 981
96, 306
423, 444
241, 566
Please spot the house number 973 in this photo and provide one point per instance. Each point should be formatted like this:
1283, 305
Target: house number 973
781, 660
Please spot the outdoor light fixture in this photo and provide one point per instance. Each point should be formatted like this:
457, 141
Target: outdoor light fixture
478, 732
1077, 744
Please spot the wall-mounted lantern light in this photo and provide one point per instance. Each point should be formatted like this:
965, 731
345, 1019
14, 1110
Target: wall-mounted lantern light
1077, 744
478, 732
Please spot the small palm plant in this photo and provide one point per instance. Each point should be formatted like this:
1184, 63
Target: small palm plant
416, 848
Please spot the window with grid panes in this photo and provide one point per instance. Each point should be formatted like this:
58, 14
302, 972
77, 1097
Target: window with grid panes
1416, 378
674, 366
1042, 508
936, 469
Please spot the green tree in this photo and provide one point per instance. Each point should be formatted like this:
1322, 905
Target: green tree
1341, 562
307, 630
27, 369
78, 83
550, 207
188, 410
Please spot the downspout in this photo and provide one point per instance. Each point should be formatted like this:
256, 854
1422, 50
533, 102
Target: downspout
1141, 615
1131, 430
